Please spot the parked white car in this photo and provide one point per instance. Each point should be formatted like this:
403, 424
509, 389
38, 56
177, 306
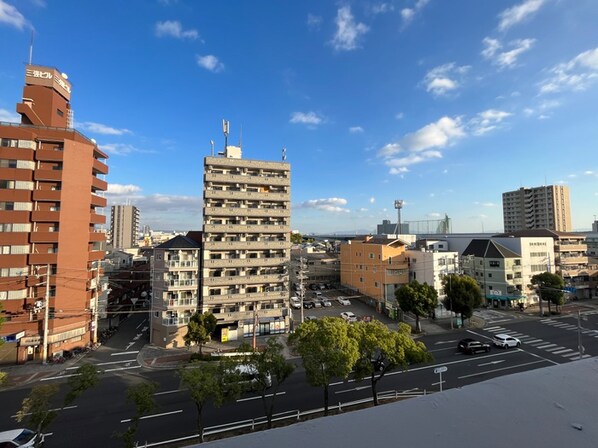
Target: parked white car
295, 303
349, 316
325, 302
505, 341
343, 301
18, 438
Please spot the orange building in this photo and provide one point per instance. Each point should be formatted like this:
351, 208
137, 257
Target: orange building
375, 267
50, 192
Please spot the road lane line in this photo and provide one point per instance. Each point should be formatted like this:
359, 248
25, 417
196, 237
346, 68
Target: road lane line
122, 368
552, 349
168, 392
498, 370
55, 409
127, 420
443, 349
533, 341
259, 396
137, 327
445, 342
58, 377
543, 346
124, 353
491, 363
355, 389
543, 358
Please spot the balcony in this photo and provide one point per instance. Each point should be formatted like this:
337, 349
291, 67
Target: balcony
245, 279
96, 218
45, 216
564, 248
47, 195
49, 155
233, 262
251, 228
99, 184
246, 195
41, 175
44, 237
43, 258
246, 245
10, 261
99, 167
245, 163
181, 283
97, 236
243, 211
182, 265
14, 238
98, 201
96, 255
247, 315
245, 297
247, 179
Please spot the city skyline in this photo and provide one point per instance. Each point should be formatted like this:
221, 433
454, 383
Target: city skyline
445, 105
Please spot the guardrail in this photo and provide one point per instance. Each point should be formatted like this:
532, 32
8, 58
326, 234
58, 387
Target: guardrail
251, 424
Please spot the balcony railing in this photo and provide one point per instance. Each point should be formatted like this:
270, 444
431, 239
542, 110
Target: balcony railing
231, 262
247, 179
245, 279
245, 211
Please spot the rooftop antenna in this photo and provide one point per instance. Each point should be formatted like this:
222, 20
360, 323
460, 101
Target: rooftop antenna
284, 154
225, 128
398, 205
241, 137
212, 145
31, 48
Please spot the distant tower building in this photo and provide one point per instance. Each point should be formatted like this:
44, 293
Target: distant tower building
124, 225
51, 227
537, 208
246, 244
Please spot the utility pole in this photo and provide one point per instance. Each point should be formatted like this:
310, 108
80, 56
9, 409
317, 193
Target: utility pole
94, 335
46, 316
579, 344
301, 276
255, 323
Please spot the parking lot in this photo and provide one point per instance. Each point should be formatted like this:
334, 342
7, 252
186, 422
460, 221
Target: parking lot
358, 307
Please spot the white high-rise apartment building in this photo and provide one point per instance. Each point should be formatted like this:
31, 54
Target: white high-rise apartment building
124, 226
537, 208
246, 244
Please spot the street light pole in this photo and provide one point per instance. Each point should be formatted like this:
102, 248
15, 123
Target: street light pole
46, 316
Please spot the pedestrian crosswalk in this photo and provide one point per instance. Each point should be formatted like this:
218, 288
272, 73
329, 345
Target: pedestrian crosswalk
540, 344
572, 327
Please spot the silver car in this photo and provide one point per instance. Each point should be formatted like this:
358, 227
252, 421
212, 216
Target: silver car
505, 341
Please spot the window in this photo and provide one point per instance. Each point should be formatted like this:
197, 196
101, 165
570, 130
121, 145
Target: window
360, 279
60, 113
376, 285
371, 256
494, 264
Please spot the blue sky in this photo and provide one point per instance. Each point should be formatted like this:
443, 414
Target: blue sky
444, 104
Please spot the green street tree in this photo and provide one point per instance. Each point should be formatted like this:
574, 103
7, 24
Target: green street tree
208, 381
327, 351
142, 397
296, 238
272, 370
418, 298
200, 329
37, 406
463, 294
551, 289
382, 350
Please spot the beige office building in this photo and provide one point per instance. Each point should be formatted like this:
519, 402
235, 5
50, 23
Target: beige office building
537, 208
246, 244
124, 226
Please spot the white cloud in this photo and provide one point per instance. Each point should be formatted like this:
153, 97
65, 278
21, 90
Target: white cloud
210, 62
407, 14
372, 200
435, 135
310, 118
356, 130
11, 117
362, 209
327, 205
486, 204
382, 8
444, 78
589, 173
399, 116
576, 74
313, 21
120, 190
11, 16
518, 13
121, 149
506, 58
400, 164
98, 128
173, 28
348, 32
434, 215
487, 120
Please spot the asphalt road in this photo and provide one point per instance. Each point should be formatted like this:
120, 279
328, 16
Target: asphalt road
103, 411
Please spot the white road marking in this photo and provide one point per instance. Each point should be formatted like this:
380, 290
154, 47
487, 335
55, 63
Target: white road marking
103, 364
498, 370
259, 396
58, 377
352, 390
560, 352
552, 349
492, 363
124, 353
533, 341
127, 420
142, 322
129, 345
122, 368
543, 346
445, 342
166, 392
56, 409
442, 349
